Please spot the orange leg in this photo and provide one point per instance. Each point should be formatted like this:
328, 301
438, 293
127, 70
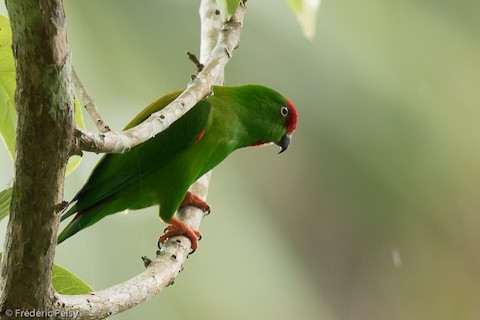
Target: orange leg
180, 228
191, 199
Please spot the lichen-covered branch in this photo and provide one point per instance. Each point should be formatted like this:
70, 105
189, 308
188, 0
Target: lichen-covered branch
159, 274
228, 39
98, 305
89, 103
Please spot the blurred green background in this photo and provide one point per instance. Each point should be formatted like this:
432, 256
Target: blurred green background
373, 211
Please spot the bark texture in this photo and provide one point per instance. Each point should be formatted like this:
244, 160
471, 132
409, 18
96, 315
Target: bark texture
44, 133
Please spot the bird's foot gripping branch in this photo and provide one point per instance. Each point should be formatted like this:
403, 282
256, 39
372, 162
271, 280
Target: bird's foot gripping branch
180, 228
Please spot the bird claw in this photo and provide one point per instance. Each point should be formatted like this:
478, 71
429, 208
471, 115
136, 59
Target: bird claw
178, 228
206, 210
192, 199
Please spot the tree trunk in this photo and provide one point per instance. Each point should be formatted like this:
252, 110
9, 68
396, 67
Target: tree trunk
44, 98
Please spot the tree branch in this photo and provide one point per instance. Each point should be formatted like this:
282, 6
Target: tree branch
44, 100
197, 89
89, 103
159, 274
162, 272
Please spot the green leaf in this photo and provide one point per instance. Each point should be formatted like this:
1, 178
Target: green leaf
306, 12
5, 198
65, 282
8, 115
74, 161
228, 8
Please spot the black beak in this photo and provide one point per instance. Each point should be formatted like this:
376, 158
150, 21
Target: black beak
284, 142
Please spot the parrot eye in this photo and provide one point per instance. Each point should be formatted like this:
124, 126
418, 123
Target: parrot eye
284, 111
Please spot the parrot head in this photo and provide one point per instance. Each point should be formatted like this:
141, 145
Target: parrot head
275, 116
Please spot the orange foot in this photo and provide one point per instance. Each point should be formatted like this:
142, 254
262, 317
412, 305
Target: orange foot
191, 199
179, 228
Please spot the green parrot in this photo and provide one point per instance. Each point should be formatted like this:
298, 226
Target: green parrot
160, 170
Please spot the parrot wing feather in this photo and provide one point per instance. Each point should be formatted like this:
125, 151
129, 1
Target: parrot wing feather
117, 171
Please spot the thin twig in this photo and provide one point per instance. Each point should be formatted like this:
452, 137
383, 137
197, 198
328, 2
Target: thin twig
195, 61
89, 103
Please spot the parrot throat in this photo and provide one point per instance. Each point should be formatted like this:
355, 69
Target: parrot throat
260, 143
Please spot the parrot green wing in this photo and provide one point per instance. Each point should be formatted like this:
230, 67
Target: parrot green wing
153, 107
105, 172
106, 177
115, 172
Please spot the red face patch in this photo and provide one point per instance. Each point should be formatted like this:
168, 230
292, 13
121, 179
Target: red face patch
291, 124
